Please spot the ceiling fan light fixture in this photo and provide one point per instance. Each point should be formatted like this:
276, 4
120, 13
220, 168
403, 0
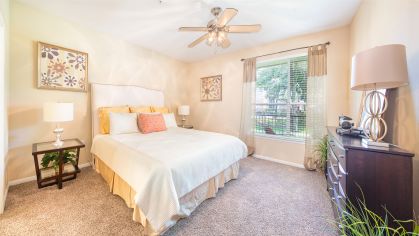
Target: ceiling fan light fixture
221, 36
212, 36
218, 30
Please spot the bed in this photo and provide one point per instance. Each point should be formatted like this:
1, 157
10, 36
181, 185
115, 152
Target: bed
164, 175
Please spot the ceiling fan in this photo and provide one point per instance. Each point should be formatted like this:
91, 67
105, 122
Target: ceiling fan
217, 29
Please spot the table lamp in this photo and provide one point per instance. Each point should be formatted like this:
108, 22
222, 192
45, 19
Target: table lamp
183, 110
382, 67
58, 112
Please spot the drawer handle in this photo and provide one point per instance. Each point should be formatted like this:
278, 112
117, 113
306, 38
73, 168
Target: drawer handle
334, 173
341, 170
332, 154
338, 197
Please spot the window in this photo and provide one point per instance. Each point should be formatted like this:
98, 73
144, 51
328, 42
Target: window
281, 96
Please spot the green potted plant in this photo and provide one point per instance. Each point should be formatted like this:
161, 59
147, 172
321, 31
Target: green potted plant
321, 151
52, 159
360, 221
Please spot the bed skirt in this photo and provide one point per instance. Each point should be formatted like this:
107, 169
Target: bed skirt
188, 202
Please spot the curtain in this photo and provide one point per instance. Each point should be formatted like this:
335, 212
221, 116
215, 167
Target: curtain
247, 122
316, 104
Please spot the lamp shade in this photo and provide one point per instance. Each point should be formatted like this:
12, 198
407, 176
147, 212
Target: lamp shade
183, 110
58, 112
381, 67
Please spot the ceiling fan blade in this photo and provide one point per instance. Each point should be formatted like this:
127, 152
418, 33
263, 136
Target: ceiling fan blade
200, 39
226, 43
226, 16
203, 29
243, 28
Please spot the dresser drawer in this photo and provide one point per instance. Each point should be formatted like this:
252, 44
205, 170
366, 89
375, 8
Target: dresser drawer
337, 176
338, 151
342, 176
332, 160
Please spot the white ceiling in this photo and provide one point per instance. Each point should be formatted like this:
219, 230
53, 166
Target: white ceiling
154, 25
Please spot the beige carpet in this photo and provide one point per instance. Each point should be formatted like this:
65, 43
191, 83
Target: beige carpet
267, 199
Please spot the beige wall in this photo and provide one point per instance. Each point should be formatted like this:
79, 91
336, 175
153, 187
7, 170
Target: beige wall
381, 22
110, 61
4, 84
224, 116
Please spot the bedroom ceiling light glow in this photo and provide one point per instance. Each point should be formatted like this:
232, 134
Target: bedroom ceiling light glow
152, 25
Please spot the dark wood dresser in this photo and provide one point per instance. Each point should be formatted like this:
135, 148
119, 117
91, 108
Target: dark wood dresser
383, 174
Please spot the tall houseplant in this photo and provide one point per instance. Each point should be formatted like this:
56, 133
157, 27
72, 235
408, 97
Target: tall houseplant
52, 159
321, 151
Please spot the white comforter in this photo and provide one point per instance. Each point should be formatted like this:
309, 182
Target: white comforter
164, 166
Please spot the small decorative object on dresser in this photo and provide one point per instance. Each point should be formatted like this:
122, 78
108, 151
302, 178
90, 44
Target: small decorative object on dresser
381, 176
58, 164
61, 68
183, 110
211, 88
58, 112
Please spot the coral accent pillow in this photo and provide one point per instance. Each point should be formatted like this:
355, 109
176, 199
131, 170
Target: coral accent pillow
149, 123
104, 123
162, 110
143, 109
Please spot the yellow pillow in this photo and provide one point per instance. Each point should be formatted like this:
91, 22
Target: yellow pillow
104, 116
140, 109
163, 110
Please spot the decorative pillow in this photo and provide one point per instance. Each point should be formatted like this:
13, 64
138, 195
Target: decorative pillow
149, 123
170, 120
143, 109
104, 116
123, 123
162, 110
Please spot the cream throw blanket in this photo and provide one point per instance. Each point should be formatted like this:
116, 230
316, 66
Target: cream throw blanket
164, 166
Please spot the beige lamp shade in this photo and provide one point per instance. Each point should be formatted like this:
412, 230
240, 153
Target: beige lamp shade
381, 67
58, 112
183, 110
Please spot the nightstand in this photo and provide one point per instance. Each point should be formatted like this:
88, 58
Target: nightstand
186, 126
47, 176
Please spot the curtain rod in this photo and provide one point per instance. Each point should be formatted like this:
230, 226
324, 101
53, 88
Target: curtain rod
269, 54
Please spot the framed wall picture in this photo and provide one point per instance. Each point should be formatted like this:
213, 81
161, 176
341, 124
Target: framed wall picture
61, 68
211, 88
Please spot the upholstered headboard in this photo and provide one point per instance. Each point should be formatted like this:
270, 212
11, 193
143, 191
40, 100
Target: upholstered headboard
106, 95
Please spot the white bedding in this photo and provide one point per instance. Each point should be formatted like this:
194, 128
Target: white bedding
164, 166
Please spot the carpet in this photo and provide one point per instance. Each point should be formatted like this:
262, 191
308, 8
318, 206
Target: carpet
267, 199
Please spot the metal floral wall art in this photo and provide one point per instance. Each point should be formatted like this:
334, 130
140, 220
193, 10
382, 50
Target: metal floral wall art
61, 68
211, 88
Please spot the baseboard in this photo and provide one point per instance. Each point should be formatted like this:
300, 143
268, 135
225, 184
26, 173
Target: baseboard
32, 178
288, 163
5, 197
6, 188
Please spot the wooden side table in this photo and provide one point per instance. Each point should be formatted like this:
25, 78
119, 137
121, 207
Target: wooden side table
66, 171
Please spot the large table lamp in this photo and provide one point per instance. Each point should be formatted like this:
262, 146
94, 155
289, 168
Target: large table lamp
58, 112
183, 110
382, 67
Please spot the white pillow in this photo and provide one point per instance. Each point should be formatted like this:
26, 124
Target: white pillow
123, 123
169, 120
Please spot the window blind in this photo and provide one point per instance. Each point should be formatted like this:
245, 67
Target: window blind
281, 96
